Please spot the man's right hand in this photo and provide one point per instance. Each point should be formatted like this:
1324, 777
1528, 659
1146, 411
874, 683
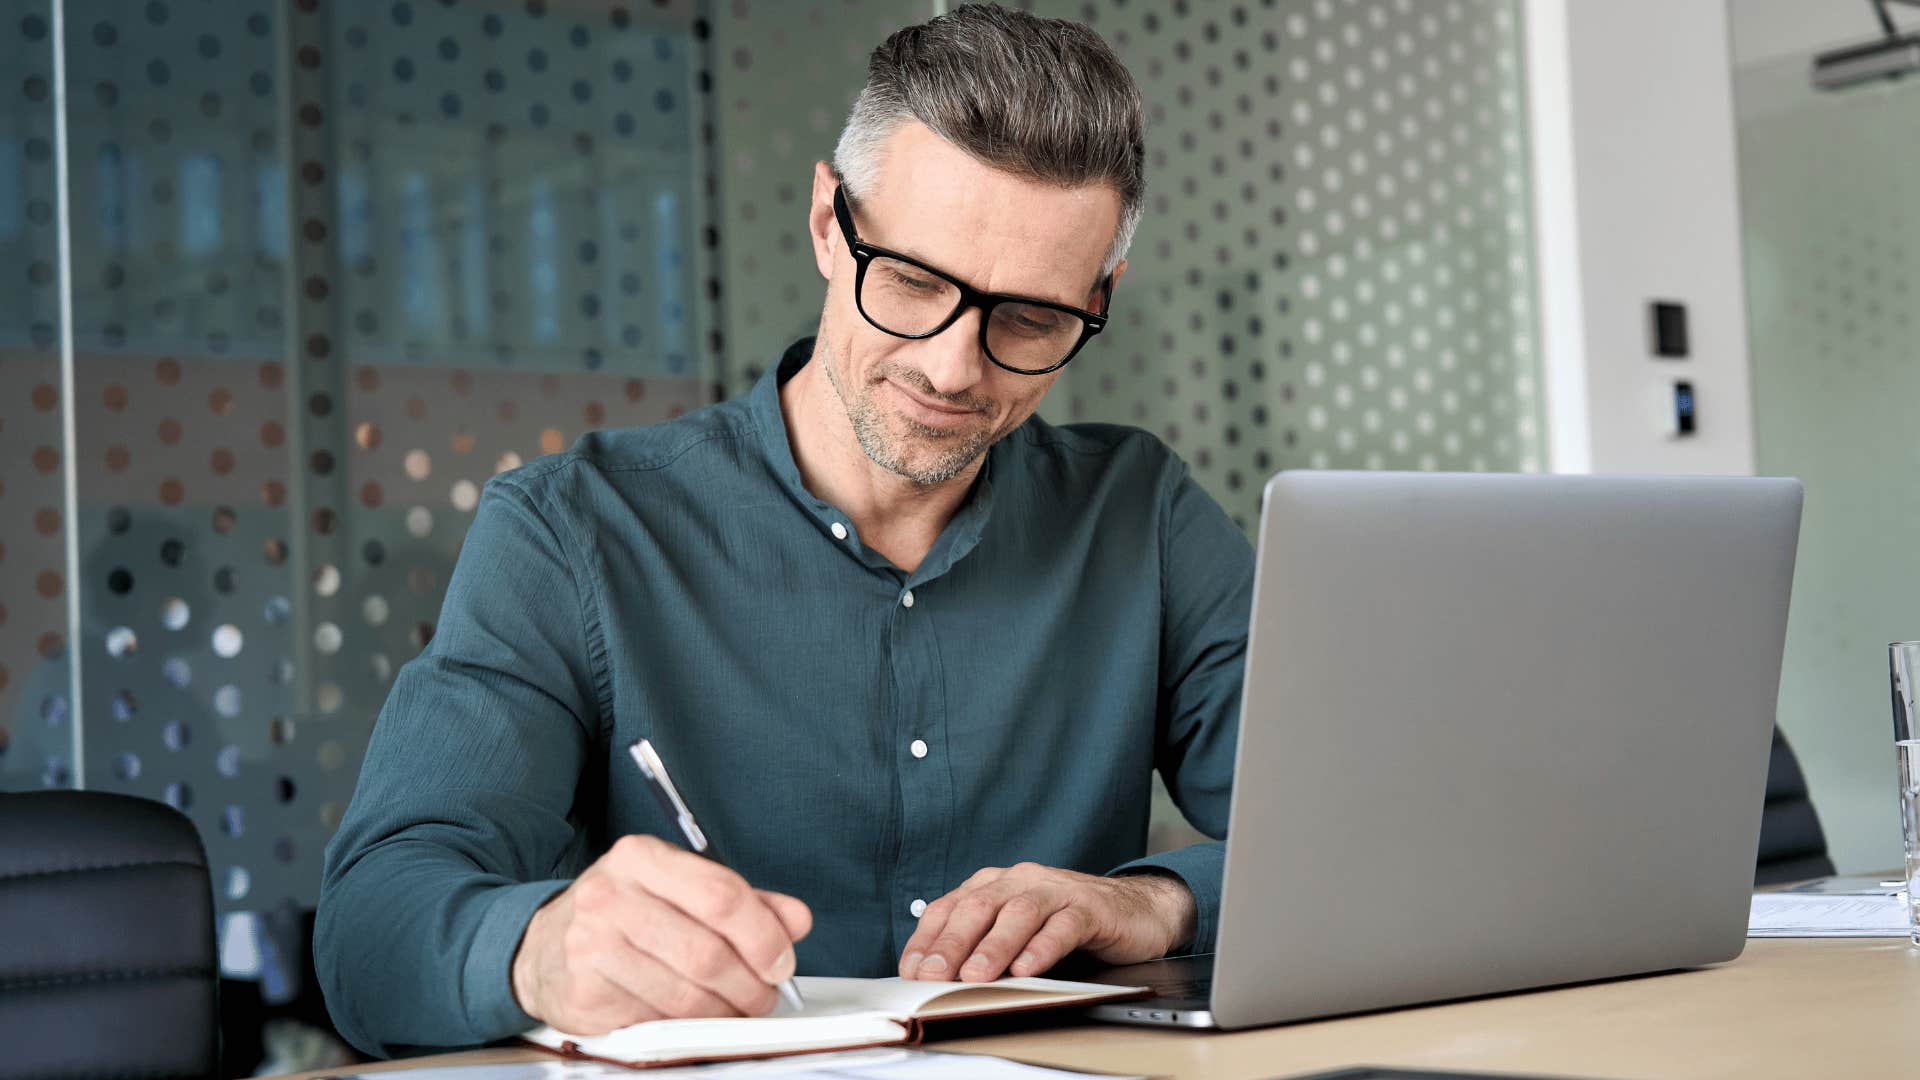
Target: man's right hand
651, 931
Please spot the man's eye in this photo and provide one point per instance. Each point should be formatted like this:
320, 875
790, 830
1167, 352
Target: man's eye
1036, 320
918, 284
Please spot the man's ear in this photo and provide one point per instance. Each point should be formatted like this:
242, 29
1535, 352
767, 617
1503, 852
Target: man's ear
1113, 286
821, 226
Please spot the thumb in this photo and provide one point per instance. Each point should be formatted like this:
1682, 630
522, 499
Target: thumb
793, 912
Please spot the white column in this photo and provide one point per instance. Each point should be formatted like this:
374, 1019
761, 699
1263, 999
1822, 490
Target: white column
1637, 199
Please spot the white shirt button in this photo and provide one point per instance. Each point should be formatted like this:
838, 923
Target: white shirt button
906, 598
919, 748
839, 531
918, 907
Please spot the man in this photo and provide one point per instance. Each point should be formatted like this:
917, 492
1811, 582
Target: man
910, 652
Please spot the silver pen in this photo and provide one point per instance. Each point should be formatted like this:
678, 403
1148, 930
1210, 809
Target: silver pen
655, 770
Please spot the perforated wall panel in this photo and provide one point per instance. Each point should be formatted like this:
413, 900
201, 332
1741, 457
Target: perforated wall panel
1335, 267
334, 266
1831, 238
335, 263
36, 732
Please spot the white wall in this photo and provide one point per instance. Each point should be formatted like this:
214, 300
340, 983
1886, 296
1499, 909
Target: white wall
1636, 200
1769, 29
1636, 141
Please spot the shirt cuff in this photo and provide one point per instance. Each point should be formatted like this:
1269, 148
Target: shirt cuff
1199, 866
487, 979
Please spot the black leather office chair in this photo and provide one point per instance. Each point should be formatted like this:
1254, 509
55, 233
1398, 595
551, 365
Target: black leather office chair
1792, 845
107, 964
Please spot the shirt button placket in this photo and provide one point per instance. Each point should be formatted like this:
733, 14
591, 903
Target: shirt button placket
925, 797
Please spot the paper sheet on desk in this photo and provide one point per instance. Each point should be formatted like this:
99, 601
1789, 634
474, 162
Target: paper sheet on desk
1849, 884
850, 1065
1820, 915
886, 1065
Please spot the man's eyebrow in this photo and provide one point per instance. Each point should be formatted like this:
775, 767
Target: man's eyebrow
916, 256
934, 264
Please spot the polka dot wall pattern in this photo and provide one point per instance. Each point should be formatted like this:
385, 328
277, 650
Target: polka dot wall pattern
527, 170
1830, 244
1830, 261
283, 428
784, 75
187, 525
494, 203
500, 226
422, 445
187, 502
36, 729
1335, 265
29, 304
36, 737
179, 233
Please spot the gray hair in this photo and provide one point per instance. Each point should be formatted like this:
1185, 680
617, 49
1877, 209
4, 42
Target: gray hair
1042, 99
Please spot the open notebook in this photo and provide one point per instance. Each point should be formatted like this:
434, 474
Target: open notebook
841, 1014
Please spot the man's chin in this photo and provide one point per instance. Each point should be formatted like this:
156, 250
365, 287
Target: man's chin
936, 458
915, 432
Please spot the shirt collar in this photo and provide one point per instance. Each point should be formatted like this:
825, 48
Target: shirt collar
960, 536
763, 403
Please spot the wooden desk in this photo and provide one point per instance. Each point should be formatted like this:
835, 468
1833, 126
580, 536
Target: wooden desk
1830, 1007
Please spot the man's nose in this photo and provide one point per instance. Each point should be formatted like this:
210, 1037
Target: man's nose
952, 359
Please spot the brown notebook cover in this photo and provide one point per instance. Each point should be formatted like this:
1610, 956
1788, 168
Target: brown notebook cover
841, 1014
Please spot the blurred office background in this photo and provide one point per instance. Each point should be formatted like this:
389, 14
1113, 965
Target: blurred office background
287, 280
1832, 241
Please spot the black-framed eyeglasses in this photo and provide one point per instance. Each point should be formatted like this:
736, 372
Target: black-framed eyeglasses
905, 297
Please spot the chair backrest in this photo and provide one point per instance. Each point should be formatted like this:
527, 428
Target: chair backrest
1792, 845
107, 961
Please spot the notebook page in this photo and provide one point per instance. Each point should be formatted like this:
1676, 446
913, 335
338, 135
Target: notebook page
1009, 993
669, 1040
839, 1012
926, 998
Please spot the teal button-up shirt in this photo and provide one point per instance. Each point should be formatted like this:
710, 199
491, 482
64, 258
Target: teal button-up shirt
1080, 622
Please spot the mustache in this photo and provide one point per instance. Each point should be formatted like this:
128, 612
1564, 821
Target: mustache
923, 386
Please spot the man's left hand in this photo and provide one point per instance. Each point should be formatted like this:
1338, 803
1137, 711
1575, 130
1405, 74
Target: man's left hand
1023, 919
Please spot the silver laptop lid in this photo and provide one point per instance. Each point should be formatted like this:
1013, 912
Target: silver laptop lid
1498, 731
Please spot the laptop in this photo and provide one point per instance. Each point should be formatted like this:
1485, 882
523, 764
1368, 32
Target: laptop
1497, 732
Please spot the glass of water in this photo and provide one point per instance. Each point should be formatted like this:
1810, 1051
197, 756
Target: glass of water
1903, 662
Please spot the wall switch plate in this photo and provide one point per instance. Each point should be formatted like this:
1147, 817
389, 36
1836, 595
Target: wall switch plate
1669, 326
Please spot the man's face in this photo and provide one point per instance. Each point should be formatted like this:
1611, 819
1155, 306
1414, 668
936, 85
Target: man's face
927, 409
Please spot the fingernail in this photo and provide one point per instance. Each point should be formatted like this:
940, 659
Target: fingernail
911, 964
783, 968
933, 965
1024, 962
977, 966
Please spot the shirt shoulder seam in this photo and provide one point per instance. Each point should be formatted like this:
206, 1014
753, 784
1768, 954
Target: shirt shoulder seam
541, 469
586, 595
678, 452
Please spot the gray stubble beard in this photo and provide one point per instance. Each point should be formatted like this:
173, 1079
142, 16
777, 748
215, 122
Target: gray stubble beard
870, 427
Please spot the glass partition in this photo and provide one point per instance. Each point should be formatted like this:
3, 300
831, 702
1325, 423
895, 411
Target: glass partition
1832, 248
